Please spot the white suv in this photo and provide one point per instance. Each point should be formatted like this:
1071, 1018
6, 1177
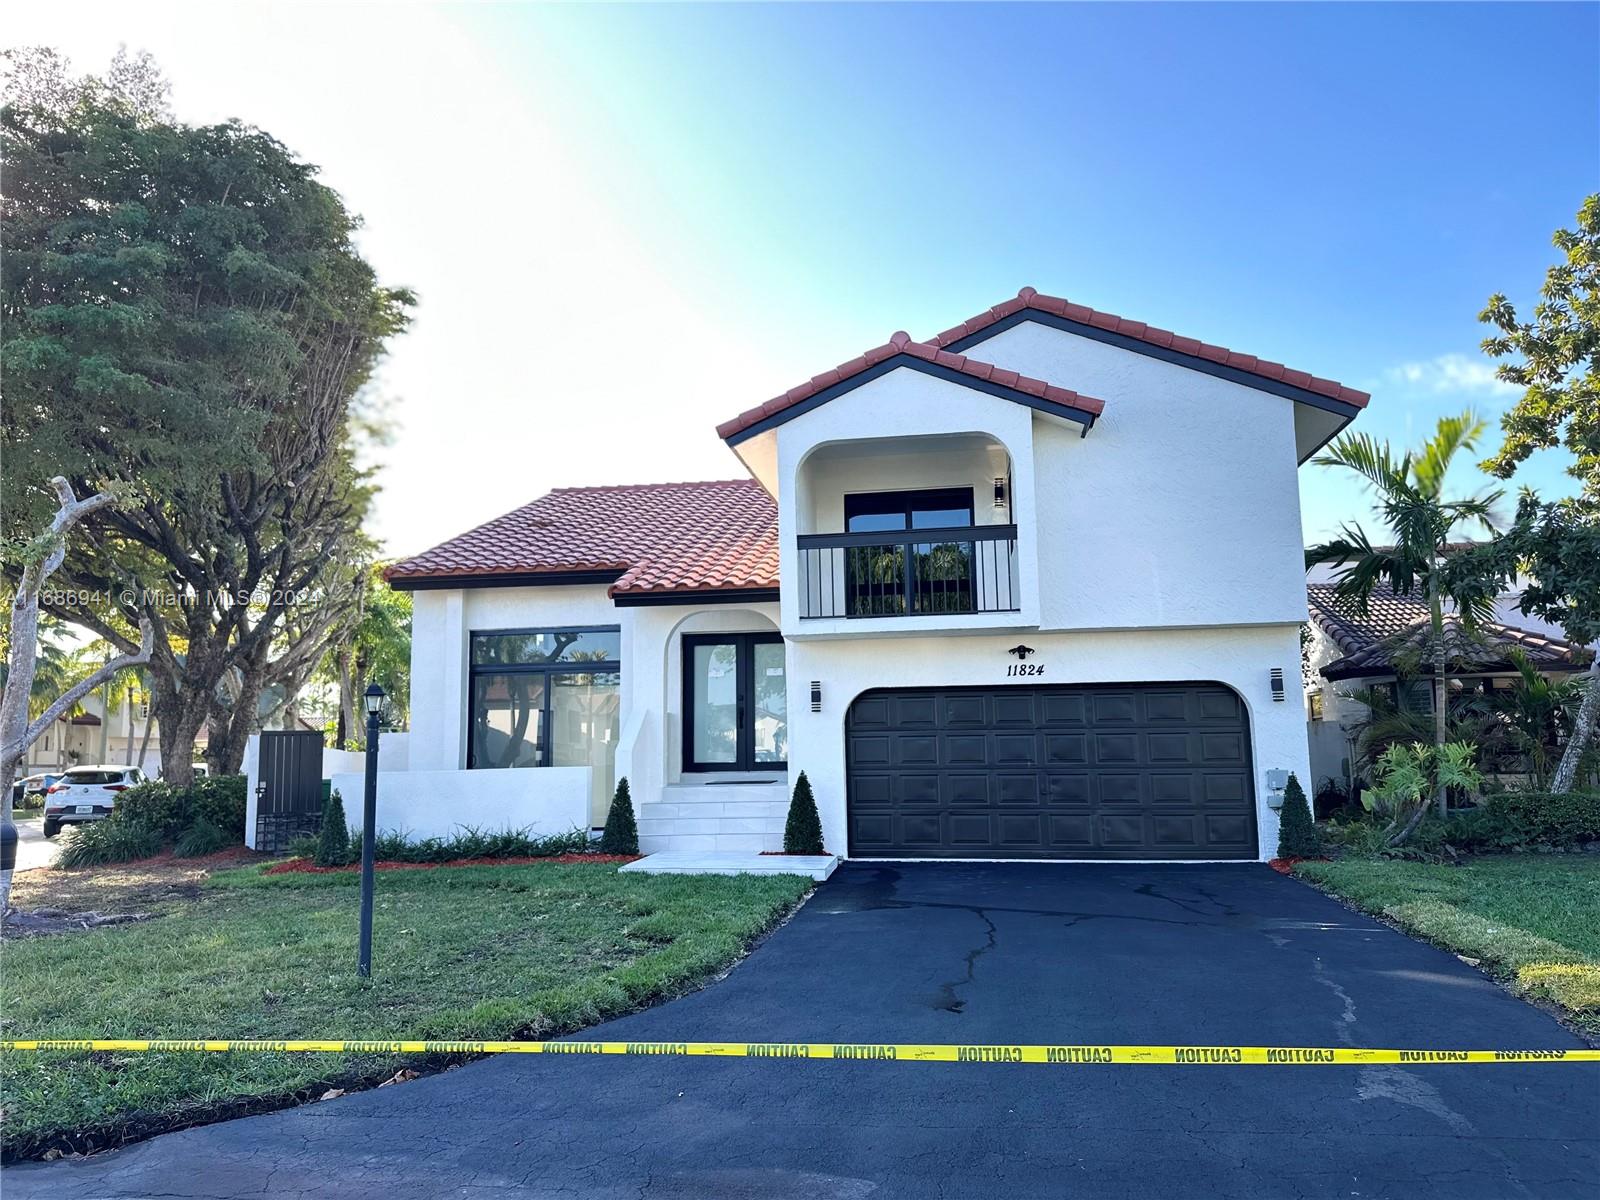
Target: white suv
86, 794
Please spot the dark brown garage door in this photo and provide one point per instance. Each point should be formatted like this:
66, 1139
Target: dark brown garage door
1092, 771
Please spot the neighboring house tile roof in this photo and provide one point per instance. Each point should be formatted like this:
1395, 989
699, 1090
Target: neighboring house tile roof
1028, 298
1397, 626
1073, 403
657, 538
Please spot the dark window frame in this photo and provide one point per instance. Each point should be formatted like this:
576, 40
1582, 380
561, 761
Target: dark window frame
610, 666
865, 594
908, 502
744, 758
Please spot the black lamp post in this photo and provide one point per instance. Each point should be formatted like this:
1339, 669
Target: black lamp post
369, 818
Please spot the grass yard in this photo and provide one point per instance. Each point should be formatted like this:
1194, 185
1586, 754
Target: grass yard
1532, 919
479, 952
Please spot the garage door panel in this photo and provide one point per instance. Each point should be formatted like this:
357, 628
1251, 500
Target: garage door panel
1063, 708
1068, 789
1018, 788
1011, 749
957, 789
1223, 831
1116, 748
1120, 788
966, 750
1076, 771
1166, 707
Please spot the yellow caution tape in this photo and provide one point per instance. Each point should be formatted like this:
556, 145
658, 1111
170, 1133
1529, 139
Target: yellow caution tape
1055, 1055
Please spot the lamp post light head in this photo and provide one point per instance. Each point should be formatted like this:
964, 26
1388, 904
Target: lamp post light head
374, 700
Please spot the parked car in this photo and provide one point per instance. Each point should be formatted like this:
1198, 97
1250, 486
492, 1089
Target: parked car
29, 791
86, 794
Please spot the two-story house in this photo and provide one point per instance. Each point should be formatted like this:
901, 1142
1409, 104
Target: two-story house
1032, 588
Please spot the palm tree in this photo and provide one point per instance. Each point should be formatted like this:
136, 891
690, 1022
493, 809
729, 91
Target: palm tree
1409, 492
1536, 710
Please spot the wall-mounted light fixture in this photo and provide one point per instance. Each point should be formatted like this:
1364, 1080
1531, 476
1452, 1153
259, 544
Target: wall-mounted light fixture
1277, 684
816, 695
1000, 492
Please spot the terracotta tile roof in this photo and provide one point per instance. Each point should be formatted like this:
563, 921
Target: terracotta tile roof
1397, 626
1266, 369
901, 343
661, 537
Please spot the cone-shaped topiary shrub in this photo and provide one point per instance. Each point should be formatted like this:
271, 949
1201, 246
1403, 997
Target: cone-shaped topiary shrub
1297, 833
333, 843
802, 833
621, 835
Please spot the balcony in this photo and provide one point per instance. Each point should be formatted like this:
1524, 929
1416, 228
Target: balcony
909, 573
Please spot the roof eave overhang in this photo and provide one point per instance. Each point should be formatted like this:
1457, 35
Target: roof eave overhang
644, 599
895, 362
497, 579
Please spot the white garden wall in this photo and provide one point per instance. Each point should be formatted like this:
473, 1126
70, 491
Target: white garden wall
424, 804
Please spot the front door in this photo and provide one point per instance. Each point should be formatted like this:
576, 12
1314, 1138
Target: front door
735, 705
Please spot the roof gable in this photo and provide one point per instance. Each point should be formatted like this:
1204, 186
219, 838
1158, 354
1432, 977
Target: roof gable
901, 352
1246, 369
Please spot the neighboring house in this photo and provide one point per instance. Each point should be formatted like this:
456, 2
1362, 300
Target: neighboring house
1348, 653
88, 736
1029, 589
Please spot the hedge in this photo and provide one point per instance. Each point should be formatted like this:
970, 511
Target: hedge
1550, 818
170, 809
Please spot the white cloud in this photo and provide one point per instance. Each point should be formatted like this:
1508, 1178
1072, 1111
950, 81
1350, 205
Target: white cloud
1452, 373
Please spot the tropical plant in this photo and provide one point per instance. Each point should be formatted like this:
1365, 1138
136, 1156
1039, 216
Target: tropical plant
1409, 491
1386, 723
1535, 714
1408, 776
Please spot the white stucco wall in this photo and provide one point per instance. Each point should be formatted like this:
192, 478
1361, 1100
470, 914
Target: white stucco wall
1241, 658
1181, 507
424, 804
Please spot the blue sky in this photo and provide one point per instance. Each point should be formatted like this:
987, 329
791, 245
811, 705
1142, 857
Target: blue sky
628, 223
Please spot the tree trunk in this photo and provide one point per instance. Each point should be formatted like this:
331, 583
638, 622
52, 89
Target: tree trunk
1441, 691
180, 725
225, 749
1566, 777
347, 700
144, 740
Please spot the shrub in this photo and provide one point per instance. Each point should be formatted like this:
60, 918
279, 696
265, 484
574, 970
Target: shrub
170, 808
397, 846
304, 846
333, 842
1297, 834
108, 841
1550, 818
201, 838
802, 832
621, 834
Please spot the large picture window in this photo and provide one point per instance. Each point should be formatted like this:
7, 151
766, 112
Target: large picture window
547, 698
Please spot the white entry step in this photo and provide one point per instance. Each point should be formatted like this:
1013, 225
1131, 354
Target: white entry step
694, 862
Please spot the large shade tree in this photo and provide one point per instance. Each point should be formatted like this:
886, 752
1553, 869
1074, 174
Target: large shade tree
1409, 494
1554, 357
187, 320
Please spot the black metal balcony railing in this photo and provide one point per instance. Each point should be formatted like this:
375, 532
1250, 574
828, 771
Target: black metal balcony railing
915, 572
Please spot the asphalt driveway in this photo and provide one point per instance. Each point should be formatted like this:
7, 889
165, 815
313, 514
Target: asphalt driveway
971, 953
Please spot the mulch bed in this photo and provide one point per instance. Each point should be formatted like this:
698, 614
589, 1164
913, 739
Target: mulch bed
304, 866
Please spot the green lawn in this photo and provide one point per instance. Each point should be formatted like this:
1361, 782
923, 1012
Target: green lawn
482, 952
1533, 919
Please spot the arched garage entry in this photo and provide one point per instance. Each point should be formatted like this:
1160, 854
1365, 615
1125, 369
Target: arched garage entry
1112, 771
